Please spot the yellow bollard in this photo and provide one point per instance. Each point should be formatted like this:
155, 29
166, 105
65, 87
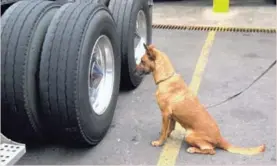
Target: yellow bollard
220, 6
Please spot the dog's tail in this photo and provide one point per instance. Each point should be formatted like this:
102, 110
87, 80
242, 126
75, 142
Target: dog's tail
240, 150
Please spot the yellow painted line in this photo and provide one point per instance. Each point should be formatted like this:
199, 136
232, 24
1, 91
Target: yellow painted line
173, 144
201, 63
220, 6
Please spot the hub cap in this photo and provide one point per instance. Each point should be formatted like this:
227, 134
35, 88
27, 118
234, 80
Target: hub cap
101, 75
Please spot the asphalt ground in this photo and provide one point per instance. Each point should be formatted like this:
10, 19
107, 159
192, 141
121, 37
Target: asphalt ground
224, 66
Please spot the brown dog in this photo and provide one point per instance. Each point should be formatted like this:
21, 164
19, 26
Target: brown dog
178, 103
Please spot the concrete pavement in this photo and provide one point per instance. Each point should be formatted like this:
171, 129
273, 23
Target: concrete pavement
235, 59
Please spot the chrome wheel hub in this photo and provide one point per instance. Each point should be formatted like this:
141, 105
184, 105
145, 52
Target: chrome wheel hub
101, 75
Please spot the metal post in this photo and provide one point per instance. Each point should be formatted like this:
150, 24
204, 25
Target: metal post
221, 6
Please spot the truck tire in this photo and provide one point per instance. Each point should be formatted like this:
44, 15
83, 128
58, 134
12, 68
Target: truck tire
129, 14
106, 2
67, 64
23, 29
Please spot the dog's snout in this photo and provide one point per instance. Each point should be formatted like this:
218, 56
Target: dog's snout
138, 71
137, 67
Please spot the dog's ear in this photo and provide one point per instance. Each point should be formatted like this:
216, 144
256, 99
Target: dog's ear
150, 51
151, 47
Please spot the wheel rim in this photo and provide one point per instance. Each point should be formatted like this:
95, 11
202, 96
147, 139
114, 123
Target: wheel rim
101, 75
140, 36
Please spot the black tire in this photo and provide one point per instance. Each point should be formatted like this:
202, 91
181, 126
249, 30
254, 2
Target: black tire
64, 73
125, 15
105, 2
23, 29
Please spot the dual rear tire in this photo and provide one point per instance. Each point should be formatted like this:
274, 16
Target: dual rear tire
61, 70
23, 28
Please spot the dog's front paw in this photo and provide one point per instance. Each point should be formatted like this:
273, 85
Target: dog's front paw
156, 143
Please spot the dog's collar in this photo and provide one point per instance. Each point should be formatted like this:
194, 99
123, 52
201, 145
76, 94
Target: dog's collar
162, 80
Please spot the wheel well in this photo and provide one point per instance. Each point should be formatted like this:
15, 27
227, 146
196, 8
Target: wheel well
5, 7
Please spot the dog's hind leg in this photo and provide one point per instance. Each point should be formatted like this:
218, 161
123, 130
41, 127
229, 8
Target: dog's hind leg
199, 145
200, 151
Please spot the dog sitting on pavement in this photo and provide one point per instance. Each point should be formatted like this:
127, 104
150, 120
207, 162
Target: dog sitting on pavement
178, 103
